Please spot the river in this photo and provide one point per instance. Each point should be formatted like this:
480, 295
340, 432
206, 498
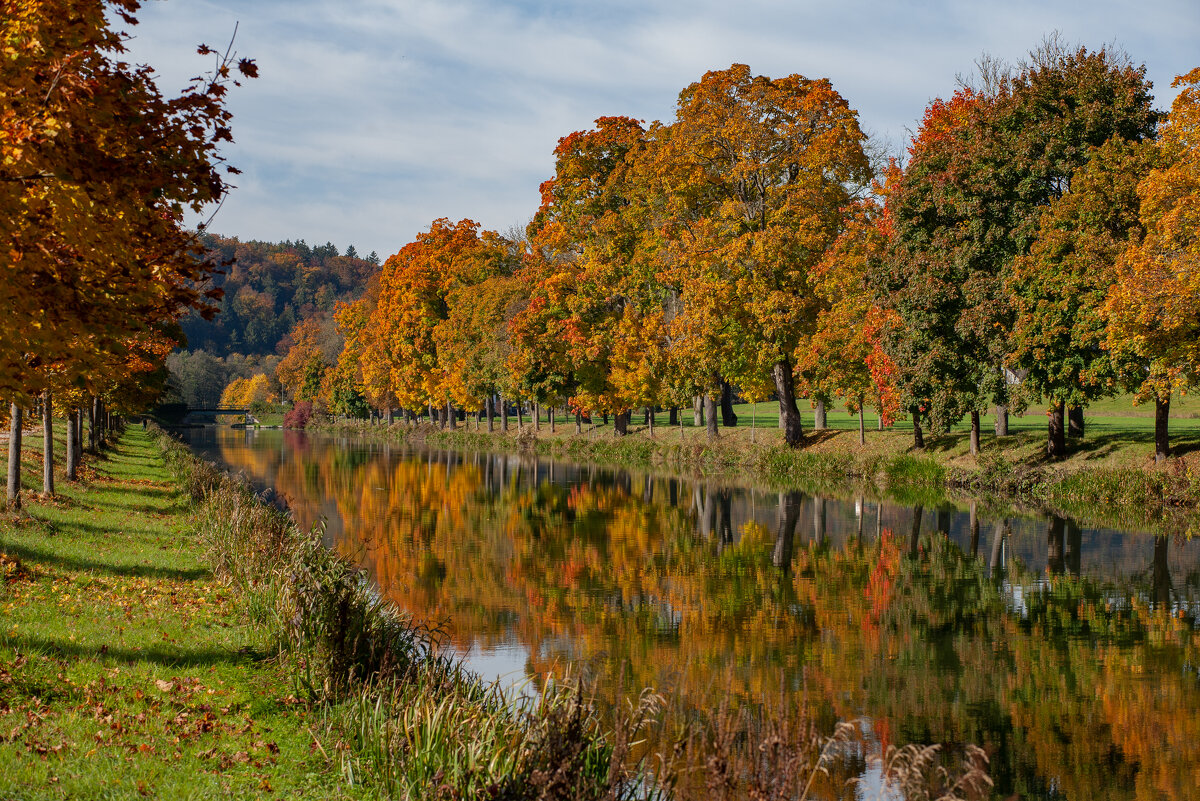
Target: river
1070, 653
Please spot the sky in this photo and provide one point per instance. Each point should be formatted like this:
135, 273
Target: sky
372, 118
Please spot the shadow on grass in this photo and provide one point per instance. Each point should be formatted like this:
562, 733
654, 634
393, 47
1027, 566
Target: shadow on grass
178, 505
34, 556
814, 437
159, 654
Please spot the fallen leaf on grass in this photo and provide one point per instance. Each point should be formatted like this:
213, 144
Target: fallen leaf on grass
165, 686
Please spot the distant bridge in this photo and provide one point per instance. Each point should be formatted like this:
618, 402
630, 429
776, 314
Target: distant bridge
218, 410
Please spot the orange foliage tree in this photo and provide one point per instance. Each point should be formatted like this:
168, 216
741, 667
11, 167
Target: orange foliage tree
98, 170
1154, 303
756, 172
414, 295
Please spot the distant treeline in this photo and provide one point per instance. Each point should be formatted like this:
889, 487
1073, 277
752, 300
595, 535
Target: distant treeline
268, 287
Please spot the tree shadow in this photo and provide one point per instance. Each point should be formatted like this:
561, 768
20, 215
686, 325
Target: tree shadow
35, 556
159, 654
143, 508
814, 437
943, 443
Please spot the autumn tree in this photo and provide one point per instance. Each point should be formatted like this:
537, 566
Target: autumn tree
756, 172
936, 270
834, 360
1154, 303
413, 300
590, 232
473, 342
982, 169
540, 335
312, 351
1066, 104
98, 170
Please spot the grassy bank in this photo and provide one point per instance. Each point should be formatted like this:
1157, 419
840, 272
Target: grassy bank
126, 668
166, 634
1108, 476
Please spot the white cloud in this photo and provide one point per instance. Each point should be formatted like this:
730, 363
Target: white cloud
372, 118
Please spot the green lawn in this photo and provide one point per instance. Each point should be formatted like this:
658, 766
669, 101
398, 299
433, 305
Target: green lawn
126, 670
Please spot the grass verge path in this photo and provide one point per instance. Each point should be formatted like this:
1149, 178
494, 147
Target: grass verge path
126, 669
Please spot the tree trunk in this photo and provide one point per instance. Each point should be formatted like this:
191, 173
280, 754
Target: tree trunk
673, 419
1162, 410
520, 419
490, 406
1056, 444
697, 411
650, 419
578, 423
503, 415
391, 415
92, 424
710, 414
728, 418
862, 429
819, 422
72, 438
551, 416
79, 436
451, 416
974, 432
918, 435
621, 423
789, 415
1001, 421
47, 444
1075, 422
536, 414
14, 457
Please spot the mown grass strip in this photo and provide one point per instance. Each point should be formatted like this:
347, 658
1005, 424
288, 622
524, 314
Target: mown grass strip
126, 668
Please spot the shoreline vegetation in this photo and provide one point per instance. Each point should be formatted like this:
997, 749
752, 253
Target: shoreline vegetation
1110, 476
169, 633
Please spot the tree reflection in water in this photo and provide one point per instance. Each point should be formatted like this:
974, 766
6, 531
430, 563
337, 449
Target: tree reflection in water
1069, 655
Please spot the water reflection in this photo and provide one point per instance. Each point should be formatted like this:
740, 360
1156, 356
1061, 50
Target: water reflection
1069, 654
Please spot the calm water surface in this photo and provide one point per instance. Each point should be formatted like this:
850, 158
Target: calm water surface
1070, 653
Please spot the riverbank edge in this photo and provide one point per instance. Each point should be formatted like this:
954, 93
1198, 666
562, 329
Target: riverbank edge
1157, 497
410, 719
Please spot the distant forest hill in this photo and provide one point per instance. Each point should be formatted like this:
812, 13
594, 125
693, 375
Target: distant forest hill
269, 287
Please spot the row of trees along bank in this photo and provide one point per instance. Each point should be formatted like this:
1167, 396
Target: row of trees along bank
98, 170
1042, 226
